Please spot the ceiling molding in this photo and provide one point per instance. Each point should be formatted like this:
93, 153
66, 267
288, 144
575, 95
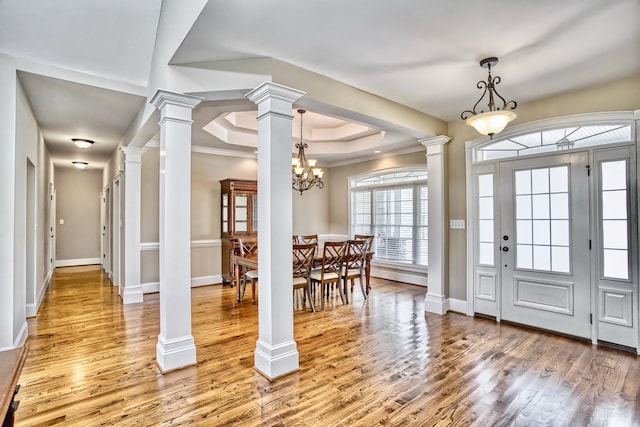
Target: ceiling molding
408, 150
209, 150
245, 155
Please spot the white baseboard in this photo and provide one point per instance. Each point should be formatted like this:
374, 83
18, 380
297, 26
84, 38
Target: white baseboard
400, 276
32, 309
457, 305
206, 280
80, 261
22, 335
151, 287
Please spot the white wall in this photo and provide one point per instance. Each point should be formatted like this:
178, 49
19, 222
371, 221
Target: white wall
7, 204
30, 149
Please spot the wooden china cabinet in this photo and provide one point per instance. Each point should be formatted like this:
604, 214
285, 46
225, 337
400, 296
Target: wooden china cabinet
238, 218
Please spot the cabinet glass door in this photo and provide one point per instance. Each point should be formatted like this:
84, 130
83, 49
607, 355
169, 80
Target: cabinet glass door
225, 213
241, 213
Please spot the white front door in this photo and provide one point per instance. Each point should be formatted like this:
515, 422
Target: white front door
545, 243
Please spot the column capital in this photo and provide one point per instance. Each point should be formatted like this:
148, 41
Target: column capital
163, 97
434, 144
133, 154
270, 90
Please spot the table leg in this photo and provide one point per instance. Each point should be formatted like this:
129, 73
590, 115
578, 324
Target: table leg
236, 273
367, 275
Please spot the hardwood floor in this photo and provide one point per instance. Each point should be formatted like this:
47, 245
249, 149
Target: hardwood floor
380, 362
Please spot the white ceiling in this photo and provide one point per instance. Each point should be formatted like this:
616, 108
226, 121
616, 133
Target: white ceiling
421, 53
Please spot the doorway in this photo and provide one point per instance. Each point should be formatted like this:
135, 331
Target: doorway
115, 234
106, 232
553, 229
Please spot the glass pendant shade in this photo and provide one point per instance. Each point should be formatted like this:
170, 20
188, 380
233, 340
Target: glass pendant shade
491, 122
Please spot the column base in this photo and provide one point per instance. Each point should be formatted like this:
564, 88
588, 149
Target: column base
276, 361
175, 353
132, 294
435, 304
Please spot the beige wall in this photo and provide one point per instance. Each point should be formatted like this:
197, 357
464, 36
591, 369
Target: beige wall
78, 204
616, 96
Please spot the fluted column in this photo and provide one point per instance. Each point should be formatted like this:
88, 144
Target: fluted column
435, 300
276, 352
130, 287
176, 347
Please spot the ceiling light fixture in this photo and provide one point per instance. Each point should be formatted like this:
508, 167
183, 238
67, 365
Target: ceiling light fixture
496, 119
305, 174
82, 143
80, 165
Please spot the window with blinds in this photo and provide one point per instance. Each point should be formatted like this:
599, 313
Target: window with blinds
394, 208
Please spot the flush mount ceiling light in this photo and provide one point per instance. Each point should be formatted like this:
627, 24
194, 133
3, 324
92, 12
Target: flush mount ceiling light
82, 143
80, 165
305, 174
496, 119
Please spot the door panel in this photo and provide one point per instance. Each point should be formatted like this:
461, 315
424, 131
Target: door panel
544, 243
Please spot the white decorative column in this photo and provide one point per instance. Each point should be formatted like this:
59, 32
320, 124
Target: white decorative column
130, 287
176, 347
276, 352
435, 300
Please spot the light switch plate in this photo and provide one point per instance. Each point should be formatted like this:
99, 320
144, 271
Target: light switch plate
456, 224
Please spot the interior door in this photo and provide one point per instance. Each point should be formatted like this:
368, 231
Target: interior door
545, 243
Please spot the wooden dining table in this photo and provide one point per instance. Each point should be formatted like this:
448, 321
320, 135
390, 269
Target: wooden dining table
250, 262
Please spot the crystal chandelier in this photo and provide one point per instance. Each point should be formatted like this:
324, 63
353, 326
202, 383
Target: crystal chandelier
305, 174
497, 118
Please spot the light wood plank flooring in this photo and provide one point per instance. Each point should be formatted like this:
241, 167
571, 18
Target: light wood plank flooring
379, 362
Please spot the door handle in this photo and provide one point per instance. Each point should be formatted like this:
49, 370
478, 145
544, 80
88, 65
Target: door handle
505, 249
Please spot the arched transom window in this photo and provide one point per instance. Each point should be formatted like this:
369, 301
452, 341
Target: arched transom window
553, 140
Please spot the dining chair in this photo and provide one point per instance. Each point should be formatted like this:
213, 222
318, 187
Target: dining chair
303, 256
309, 238
354, 263
329, 272
248, 247
367, 237
367, 259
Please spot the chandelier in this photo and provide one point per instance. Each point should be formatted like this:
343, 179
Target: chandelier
305, 174
497, 118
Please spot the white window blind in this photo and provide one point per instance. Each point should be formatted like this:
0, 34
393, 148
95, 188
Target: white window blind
397, 214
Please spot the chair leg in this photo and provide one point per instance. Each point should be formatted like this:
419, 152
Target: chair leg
364, 292
342, 293
308, 291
